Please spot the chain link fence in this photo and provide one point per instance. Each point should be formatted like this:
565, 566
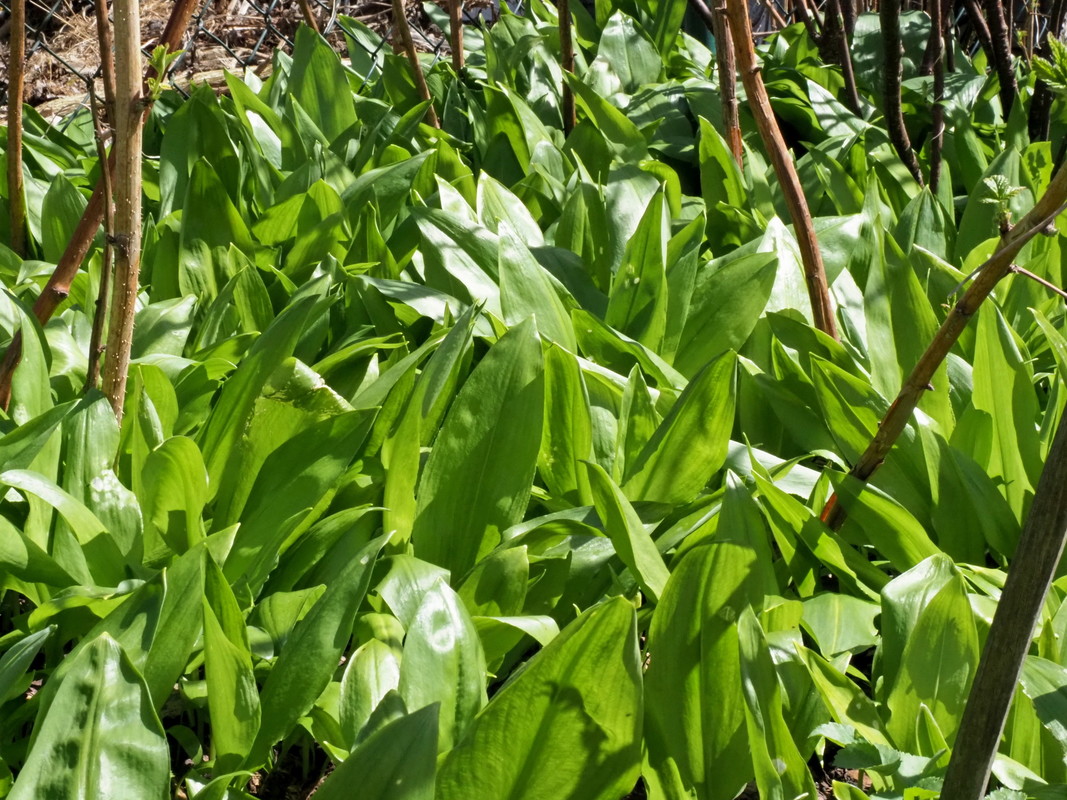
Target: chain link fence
225, 35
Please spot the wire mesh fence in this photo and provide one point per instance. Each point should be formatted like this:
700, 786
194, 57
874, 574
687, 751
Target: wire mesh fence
234, 35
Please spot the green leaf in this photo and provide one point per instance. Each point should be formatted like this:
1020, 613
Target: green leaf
696, 737
17, 660
632, 542
233, 701
310, 656
99, 733
477, 480
567, 433
568, 725
372, 672
398, 761
841, 624
781, 770
317, 80
936, 667
727, 303
60, 213
690, 445
637, 305
175, 486
527, 289
443, 663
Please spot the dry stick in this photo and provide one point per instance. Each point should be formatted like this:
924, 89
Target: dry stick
566, 54
837, 39
309, 15
889, 15
981, 28
988, 275
58, 286
404, 30
719, 26
801, 8
129, 107
779, 20
1018, 612
1038, 279
822, 309
455, 24
998, 30
937, 39
107, 60
96, 347
16, 96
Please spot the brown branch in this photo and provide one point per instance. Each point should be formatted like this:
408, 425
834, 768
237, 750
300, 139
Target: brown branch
1038, 279
402, 27
937, 115
1000, 33
96, 348
814, 275
719, 25
889, 15
835, 50
309, 15
566, 49
981, 28
107, 59
1040, 217
58, 287
455, 24
16, 97
1018, 612
129, 107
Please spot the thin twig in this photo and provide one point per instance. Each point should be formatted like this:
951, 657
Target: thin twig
718, 24
455, 24
16, 97
402, 27
96, 348
1038, 279
1051, 204
937, 115
814, 274
889, 15
309, 15
107, 59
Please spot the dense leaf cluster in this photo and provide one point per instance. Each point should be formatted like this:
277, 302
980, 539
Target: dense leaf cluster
486, 463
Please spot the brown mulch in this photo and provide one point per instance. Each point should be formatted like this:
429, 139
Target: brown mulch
227, 35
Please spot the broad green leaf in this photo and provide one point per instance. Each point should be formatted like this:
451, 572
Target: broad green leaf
60, 213
397, 761
781, 770
632, 542
16, 661
443, 663
310, 656
1004, 390
637, 304
497, 586
230, 414
99, 733
840, 624
233, 701
299, 475
847, 702
696, 737
569, 725
175, 492
690, 445
477, 480
318, 81
724, 310
527, 289
567, 433
936, 667
372, 671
